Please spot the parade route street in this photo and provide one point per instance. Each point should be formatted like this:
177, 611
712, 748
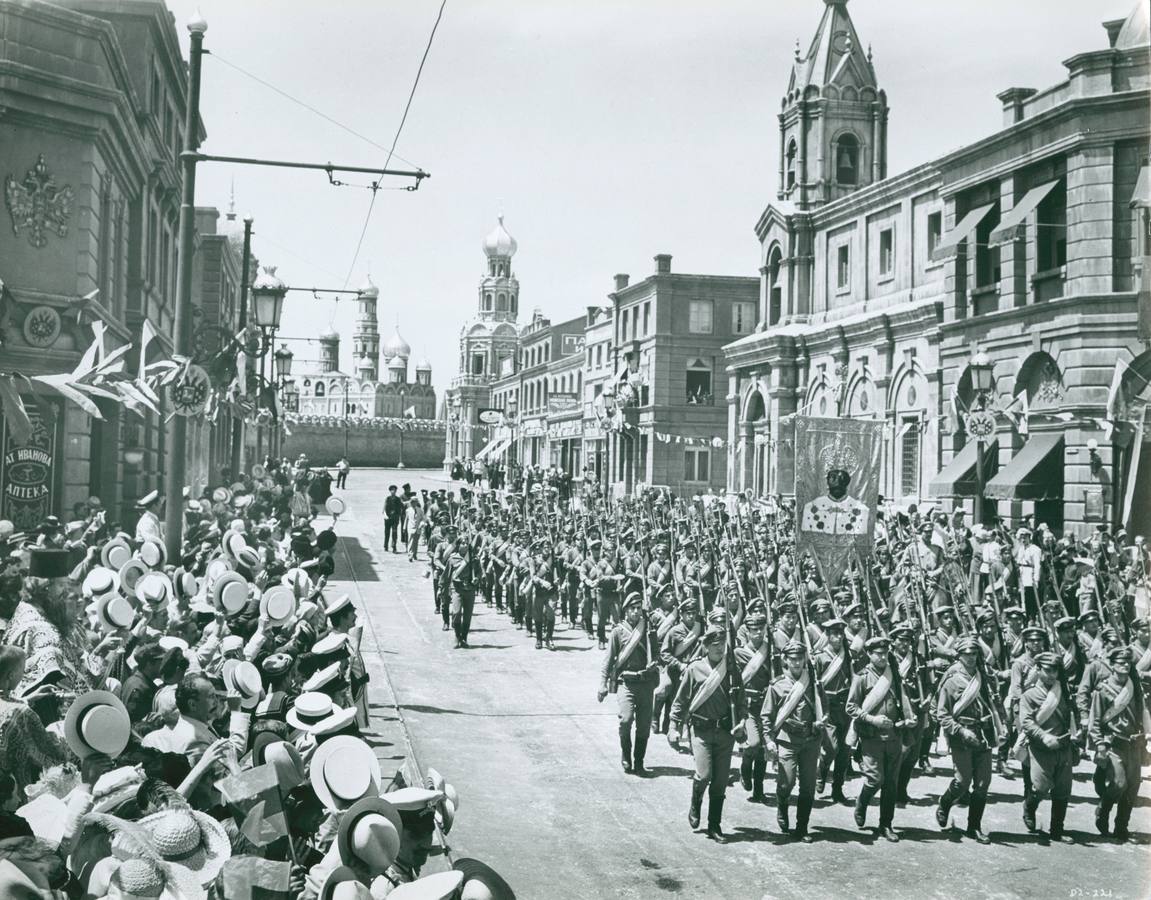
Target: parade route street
544, 800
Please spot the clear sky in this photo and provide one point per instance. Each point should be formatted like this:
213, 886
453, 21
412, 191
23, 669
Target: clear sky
606, 131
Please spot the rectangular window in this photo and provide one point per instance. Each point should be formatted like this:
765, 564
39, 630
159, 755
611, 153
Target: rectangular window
743, 315
843, 267
634, 322
1051, 229
909, 458
699, 387
700, 317
647, 318
598, 355
934, 232
886, 251
987, 270
696, 465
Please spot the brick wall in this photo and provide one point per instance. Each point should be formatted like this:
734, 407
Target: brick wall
367, 446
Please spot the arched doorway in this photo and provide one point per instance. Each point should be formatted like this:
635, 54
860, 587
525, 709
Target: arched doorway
756, 444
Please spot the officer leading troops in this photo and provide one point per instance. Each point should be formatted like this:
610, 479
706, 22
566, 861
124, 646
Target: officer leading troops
630, 670
796, 732
706, 701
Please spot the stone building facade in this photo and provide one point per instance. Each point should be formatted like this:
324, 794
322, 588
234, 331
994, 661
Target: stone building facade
91, 124
876, 291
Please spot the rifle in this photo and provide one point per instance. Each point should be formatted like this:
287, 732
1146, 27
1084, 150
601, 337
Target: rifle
817, 685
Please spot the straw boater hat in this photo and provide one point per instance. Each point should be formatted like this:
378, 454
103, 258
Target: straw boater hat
154, 589
115, 553
369, 835
244, 678
101, 580
339, 722
278, 603
97, 722
114, 612
230, 593
441, 886
217, 568
299, 580
308, 709
322, 677
153, 553
343, 770
343, 884
131, 573
482, 882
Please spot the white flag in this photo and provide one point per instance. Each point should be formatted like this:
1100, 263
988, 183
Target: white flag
410, 412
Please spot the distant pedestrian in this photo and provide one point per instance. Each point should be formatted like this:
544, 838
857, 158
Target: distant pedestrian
393, 512
414, 520
343, 467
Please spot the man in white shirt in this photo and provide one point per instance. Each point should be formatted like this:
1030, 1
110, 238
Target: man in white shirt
1028, 559
149, 524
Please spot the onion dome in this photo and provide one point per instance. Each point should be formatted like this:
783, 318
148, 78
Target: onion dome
1136, 31
499, 242
329, 334
423, 365
397, 363
396, 346
368, 289
363, 363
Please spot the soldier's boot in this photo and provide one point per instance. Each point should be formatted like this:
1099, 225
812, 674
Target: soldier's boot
1058, 815
1122, 817
1103, 816
656, 714
946, 801
782, 802
802, 816
758, 771
714, 816
1026, 781
837, 795
975, 819
887, 818
1030, 805
625, 748
861, 803
745, 768
640, 751
697, 789
905, 771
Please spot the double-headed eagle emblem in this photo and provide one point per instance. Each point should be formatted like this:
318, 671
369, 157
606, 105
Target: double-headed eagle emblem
38, 205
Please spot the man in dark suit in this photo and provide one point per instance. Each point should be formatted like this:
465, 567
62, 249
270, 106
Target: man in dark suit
393, 515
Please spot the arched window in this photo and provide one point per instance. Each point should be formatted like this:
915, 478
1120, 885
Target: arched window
847, 159
487, 302
501, 302
792, 151
774, 288
319, 389
514, 305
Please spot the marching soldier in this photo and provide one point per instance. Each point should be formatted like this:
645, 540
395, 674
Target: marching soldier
543, 597
678, 648
705, 701
1119, 726
965, 715
918, 736
629, 671
1023, 676
879, 710
601, 579
790, 705
1046, 720
461, 571
833, 666
754, 660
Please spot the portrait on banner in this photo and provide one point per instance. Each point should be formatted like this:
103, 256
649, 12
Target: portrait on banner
837, 475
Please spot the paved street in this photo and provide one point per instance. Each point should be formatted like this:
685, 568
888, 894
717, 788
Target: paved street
543, 798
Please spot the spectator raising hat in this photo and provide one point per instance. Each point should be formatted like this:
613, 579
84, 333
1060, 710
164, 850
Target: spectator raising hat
369, 835
343, 770
441, 886
97, 722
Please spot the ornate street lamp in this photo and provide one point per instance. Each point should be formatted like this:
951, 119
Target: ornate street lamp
982, 374
283, 360
268, 294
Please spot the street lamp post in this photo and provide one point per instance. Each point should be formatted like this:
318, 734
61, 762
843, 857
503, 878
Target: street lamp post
980, 422
238, 422
400, 464
268, 293
282, 360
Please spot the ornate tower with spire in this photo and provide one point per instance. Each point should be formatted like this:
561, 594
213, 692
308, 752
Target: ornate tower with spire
833, 125
366, 338
499, 297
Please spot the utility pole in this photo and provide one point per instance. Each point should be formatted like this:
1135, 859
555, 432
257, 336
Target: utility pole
177, 443
403, 415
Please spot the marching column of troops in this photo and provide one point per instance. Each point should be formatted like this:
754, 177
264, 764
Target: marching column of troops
1024, 646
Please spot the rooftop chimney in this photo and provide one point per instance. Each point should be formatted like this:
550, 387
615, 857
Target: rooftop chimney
663, 264
621, 281
1114, 26
1013, 100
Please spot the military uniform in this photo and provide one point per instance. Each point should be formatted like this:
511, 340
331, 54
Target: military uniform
629, 671
543, 599
754, 661
833, 668
461, 572
679, 646
704, 701
599, 576
1119, 725
877, 707
790, 708
1046, 716
966, 718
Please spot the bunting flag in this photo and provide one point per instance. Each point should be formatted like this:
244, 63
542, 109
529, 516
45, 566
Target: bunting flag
410, 412
254, 796
1021, 420
255, 878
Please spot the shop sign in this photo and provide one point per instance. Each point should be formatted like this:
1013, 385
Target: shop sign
29, 474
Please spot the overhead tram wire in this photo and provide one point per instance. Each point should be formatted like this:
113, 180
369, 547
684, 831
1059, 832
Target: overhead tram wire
309, 107
396, 139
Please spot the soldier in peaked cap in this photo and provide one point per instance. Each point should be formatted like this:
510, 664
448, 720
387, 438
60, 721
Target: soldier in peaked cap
630, 670
1119, 726
543, 594
602, 581
754, 658
880, 711
1047, 720
833, 667
678, 647
790, 707
963, 709
716, 715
